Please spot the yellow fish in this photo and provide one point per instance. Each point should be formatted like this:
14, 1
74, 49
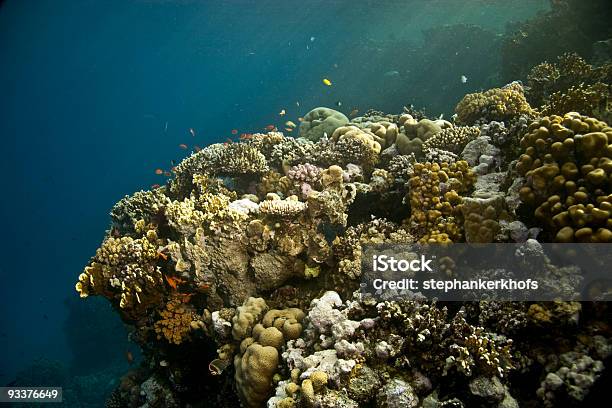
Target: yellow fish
282, 113
327, 82
289, 123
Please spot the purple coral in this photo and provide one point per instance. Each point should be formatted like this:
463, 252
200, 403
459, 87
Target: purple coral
307, 173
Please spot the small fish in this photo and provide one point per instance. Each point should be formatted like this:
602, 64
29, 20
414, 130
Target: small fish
167, 174
312, 39
463, 79
300, 119
197, 148
270, 128
229, 141
246, 136
234, 131
129, 357
391, 74
161, 255
282, 112
289, 123
154, 186
204, 287
217, 366
338, 103
288, 129
172, 163
297, 103
166, 127
354, 112
163, 363
327, 82
159, 172
192, 132
183, 146
173, 281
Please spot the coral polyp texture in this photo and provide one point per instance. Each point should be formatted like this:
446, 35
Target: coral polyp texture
240, 277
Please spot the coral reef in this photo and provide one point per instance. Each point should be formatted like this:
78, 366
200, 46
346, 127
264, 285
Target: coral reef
240, 277
570, 85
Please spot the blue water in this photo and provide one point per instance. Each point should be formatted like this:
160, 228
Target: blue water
95, 95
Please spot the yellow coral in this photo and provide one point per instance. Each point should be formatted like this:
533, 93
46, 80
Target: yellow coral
125, 269
434, 207
567, 164
176, 322
494, 104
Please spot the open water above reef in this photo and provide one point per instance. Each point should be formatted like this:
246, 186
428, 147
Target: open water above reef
95, 95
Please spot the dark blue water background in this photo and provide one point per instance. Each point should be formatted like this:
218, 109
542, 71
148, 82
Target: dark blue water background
87, 88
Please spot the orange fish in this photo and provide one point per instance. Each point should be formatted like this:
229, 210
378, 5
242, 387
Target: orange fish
270, 128
159, 172
167, 173
234, 131
173, 282
129, 357
183, 146
246, 136
289, 129
192, 132
162, 255
155, 186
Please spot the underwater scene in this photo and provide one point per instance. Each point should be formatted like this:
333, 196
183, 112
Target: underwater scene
297, 204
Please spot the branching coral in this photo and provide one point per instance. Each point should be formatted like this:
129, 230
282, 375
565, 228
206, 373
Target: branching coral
125, 270
241, 250
570, 84
142, 205
453, 138
495, 104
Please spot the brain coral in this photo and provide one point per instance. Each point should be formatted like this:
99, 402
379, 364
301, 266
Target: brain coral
567, 165
321, 121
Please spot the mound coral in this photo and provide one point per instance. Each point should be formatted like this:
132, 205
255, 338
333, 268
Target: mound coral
567, 165
320, 122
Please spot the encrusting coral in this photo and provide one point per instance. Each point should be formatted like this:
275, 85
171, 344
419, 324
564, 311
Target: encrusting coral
241, 275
